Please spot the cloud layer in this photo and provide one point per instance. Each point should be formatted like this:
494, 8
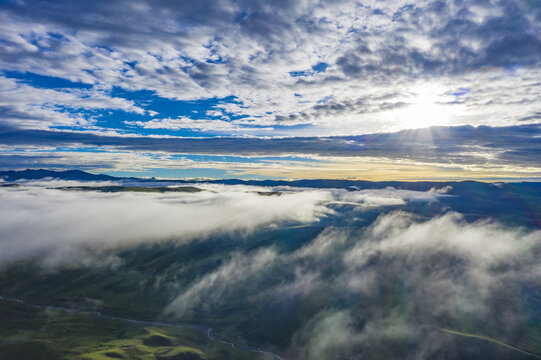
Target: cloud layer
59, 225
307, 273
390, 290
433, 153
338, 66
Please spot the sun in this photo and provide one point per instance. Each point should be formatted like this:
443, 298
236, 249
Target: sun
425, 106
424, 113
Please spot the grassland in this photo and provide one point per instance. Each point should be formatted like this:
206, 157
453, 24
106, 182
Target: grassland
31, 333
145, 189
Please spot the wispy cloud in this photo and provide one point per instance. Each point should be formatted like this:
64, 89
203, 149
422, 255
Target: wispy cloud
66, 224
381, 291
61, 225
374, 278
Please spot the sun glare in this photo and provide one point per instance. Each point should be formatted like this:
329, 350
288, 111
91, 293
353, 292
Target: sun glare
427, 106
425, 113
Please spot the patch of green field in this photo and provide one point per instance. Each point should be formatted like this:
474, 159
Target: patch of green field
181, 352
155, 344
118, 188
156, 338
30, 333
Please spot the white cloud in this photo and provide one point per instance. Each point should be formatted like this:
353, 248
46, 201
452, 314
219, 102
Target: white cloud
380, 54
484, 244
385, 289
215, 288
38, 108
387, 197
369, 282
187, 123
59, 224
64, 223
411, 277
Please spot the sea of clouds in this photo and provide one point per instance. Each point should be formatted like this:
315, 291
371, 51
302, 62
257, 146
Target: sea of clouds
394, 286
41, 219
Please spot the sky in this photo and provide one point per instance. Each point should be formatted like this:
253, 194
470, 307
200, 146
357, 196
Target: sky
373, 90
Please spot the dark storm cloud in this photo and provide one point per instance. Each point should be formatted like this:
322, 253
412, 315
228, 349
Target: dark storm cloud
517, 145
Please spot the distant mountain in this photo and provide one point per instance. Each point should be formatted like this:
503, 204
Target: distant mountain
470, 186
517, 203
35, 174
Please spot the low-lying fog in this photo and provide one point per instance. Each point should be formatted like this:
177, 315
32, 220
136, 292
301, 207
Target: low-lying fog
400, 282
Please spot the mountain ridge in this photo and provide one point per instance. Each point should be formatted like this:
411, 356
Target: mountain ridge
74, 174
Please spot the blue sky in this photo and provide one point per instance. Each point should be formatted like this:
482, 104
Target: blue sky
140, 80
